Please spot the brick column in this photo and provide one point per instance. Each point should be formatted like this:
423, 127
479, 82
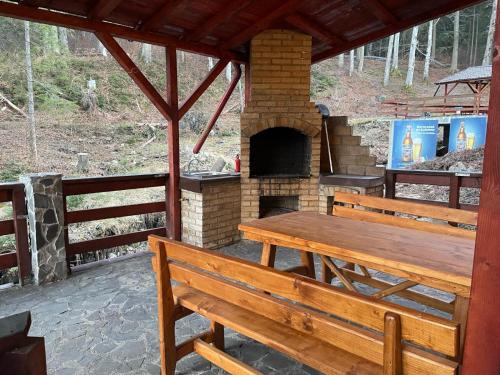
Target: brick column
46, 227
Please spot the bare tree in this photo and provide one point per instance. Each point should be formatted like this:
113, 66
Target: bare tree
387, 72
434, 38
146, 53
31, 100
428, 53
102, 50
456, 35
491, 34
341, 60
361, 58
210, 63
351, 62
63, 39
395, 58
411, 57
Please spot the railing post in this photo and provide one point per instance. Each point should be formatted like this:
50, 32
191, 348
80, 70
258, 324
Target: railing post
454, 195
390, 184
19, 214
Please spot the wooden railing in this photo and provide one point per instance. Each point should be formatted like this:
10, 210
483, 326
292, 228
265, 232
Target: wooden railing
470, 104
80, 186
14, 192
454, 181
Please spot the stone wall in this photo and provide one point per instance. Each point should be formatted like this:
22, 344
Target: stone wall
46, 226
210, 218
280, 69
327, 194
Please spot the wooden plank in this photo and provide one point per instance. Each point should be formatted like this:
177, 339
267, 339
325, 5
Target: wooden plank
112, 241
187, 347
375, 217
82, 216
446, 214
333, 267
137, 76
20, 214
286, 7
360, 309
314, 28
5, 195
174, 191
324, 357
81, 23
268, 254
8, 260
103, 8
223, 360
161, 15
6, 227
393, 360
394, 289
380, 11
202, 87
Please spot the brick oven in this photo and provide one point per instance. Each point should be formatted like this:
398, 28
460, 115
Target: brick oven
280, 128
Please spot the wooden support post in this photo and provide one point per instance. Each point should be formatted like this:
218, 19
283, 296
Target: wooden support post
21, 229
482, 341
268, 254
393, 360
217, 330
174, 192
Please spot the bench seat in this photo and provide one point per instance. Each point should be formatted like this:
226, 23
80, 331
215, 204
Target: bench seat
303, 347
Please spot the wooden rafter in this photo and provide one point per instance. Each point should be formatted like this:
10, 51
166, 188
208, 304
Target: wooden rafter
225, 13
134, 72
278, 13
103, 8
65, 20
160, 16
311, 27
380, 11
202, 87
393, 28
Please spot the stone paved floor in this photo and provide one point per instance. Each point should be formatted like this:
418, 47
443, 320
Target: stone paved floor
103, 320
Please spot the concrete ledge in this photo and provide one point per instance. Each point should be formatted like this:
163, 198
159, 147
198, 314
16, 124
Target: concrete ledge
196, 184
350, 180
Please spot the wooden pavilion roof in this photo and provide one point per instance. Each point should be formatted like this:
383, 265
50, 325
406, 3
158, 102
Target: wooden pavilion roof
223, 28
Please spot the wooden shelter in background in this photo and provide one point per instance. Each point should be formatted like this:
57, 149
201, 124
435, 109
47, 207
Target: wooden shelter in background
474, 80
223, 28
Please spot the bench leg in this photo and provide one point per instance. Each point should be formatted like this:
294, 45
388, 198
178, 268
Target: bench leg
308, 262
268, 254
218, 332
461, 307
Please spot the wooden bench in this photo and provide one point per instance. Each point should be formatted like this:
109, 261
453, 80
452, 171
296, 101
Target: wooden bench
445, 214
329, 329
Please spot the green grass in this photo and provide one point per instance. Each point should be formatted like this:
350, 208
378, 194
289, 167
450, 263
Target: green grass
11, 171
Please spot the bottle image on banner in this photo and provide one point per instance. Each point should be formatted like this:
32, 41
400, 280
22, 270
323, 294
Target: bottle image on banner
407, 149
462, 138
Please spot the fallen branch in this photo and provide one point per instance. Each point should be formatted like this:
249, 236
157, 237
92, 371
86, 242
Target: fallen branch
12, 105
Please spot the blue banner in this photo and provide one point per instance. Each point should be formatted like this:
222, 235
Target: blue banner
467, 133
412, 141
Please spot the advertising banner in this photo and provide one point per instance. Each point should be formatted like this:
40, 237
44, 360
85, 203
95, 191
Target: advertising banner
467, 133
412, 141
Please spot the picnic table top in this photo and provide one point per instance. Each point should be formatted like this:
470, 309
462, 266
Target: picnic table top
437, 260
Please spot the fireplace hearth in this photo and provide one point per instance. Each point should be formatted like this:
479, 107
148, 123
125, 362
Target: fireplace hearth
280, 152
272, 206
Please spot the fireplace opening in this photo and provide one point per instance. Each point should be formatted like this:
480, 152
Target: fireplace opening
280, 152
273, 206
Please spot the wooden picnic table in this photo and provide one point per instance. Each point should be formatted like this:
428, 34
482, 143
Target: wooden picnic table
435, 260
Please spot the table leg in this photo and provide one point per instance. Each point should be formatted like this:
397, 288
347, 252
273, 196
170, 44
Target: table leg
308, 261
268, 254
460, 315
326, 273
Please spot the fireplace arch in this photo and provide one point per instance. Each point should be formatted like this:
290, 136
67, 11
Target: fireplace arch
280, 152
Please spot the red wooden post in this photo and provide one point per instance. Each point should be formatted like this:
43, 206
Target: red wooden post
174, 192
21, 232
482, 341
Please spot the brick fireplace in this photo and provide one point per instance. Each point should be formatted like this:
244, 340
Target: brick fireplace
280, 128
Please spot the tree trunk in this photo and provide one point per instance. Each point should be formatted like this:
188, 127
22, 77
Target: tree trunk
31, 100
49, 39
491, 35
434, 39
341, 60
387, 72
210, 63
229, 72
63, 39
146, 53
361, 57
428, 53
395, 58
456, 35
351, 63
411, 57
102, 50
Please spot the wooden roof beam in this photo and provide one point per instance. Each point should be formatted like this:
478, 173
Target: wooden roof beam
160, 16
81, 23
225, 13
137, 76
278, 13
311, 27
380, 11
103, 8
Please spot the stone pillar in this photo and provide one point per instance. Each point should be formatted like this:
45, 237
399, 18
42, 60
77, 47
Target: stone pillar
46, 226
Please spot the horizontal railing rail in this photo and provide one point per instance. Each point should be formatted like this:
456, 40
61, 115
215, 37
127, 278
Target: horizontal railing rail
18, 226
455, 181
92, 185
